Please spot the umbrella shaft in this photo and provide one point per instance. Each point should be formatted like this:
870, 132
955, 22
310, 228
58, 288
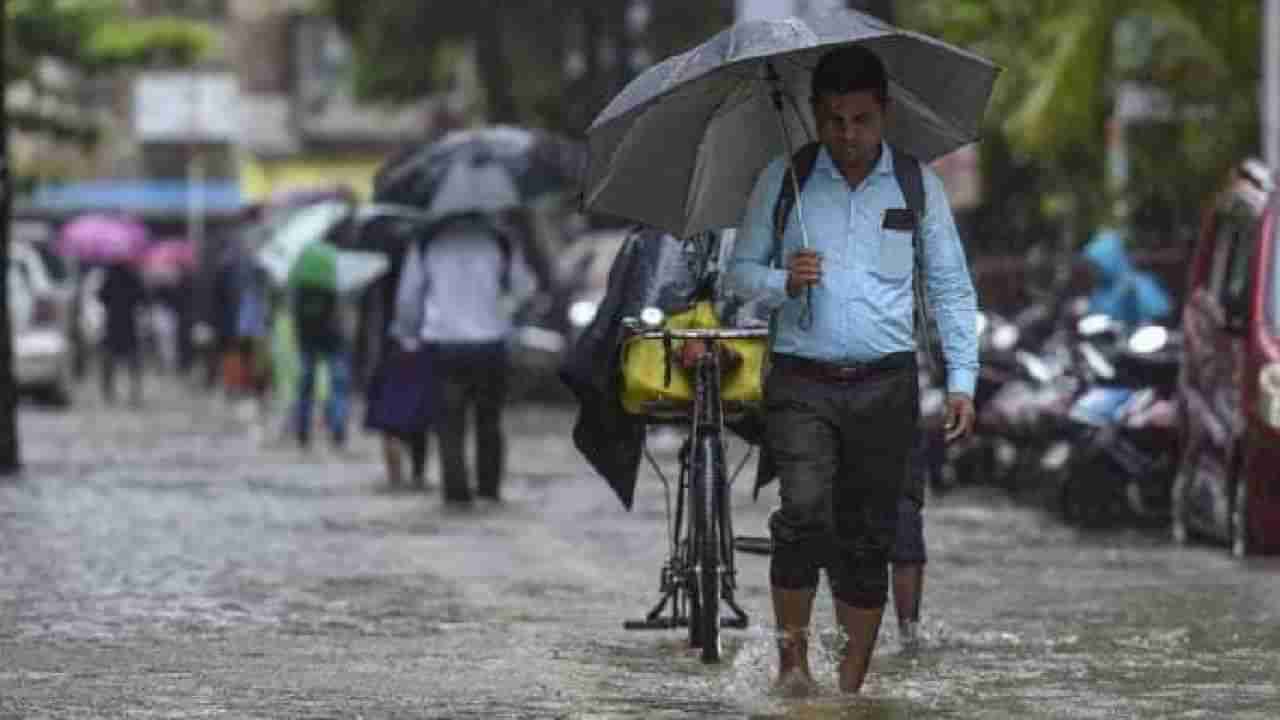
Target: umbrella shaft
806, 319
776, 82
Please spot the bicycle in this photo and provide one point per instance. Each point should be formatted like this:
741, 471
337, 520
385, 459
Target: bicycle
699, 572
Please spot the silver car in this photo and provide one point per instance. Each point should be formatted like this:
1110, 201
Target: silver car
38, 312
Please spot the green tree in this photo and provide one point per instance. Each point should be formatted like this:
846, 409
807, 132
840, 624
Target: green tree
402, 49
405, 50
87, 37
1066, 59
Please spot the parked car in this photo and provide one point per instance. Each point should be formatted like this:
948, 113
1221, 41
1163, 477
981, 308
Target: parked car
1228, 484
38, 307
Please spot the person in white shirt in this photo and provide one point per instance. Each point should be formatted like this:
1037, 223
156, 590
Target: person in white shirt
458, 289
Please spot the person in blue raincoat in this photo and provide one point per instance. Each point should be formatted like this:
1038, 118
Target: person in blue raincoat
1123, 292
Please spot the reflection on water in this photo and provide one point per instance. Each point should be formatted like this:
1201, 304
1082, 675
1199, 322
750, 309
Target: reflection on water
292, 585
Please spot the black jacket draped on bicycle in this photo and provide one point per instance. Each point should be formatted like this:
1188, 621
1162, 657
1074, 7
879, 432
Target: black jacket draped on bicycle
653, 269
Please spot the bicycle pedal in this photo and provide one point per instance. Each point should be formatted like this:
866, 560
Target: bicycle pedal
753, 545
733, 622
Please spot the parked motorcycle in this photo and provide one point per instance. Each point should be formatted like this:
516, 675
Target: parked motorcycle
1118, 451
1020, 388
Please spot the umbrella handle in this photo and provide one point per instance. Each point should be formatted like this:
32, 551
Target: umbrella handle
806, 317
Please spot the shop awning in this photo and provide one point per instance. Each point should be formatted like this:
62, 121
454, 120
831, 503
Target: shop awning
260, 179
147, 198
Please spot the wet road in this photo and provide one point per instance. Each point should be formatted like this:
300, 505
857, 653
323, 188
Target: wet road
165, 564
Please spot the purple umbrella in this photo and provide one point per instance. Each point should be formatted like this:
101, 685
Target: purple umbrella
165, 262
102, 238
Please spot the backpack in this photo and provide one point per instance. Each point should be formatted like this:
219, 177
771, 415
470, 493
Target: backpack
911, 182
315, 316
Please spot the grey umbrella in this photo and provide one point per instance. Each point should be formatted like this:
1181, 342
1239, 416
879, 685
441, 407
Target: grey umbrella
482, 170
680, 147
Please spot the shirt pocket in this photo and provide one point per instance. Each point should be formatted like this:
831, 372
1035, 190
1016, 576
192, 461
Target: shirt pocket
895, 256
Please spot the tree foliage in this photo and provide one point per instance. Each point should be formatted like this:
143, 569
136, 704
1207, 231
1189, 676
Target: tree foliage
1066, 60
86, 37
552, 63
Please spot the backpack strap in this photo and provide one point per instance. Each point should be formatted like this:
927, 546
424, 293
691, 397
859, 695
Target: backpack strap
910, 176
803, 161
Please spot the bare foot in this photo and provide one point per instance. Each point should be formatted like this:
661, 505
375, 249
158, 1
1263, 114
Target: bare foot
795, 684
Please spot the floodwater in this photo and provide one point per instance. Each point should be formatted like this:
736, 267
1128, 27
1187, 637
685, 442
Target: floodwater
168, 563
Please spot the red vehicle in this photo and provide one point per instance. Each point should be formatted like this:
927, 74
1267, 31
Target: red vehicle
1228, 485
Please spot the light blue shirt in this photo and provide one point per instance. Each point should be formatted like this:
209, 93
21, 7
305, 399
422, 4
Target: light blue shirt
862, 307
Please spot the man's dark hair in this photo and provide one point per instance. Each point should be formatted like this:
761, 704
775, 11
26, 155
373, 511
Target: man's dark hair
848, 69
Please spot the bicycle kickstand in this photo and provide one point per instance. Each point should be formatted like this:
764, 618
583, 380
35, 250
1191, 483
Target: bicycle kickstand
654, 620
739, 620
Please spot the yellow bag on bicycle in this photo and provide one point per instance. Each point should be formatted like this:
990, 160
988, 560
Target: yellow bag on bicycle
651, 373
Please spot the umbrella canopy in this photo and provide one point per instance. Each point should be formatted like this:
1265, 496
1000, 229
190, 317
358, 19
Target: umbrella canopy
166, 261
297, 197
681, 146
483, 170
289, 237
103, 238
322, 265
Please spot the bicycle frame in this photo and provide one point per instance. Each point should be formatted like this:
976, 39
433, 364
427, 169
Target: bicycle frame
701, 564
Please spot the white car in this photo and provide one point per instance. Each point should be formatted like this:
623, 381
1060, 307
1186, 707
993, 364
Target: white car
583, 270
37, 318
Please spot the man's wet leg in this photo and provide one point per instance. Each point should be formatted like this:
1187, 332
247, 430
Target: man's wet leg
908, 588
877, 437
861, 627
792, 610
805, 447
453, 439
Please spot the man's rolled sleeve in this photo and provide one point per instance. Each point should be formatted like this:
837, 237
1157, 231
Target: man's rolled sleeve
950, 288
751, 272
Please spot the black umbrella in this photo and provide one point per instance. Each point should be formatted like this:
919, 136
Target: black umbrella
681, 146
483, 170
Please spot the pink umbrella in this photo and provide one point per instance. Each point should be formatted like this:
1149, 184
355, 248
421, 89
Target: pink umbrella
165, 262
102, 238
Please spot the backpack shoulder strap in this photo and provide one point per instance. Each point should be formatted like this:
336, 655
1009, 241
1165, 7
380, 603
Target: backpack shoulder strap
910, 176
503, 237
803, 161
911, 180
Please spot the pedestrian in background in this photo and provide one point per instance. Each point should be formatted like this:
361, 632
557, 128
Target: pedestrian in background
909, 556
321, 337
122, 295
402, 395
455, 299
246, 351
1121, 291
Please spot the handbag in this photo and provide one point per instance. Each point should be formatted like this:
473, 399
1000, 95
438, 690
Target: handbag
652, 376
404, 395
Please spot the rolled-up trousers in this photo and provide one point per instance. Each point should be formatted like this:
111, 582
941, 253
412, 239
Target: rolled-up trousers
842, 453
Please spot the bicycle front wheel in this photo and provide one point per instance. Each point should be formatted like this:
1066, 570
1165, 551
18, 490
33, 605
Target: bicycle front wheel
706, 543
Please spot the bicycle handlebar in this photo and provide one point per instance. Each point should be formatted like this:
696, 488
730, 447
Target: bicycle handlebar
704, 334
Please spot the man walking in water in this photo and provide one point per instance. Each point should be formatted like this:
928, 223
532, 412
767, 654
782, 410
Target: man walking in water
841, 398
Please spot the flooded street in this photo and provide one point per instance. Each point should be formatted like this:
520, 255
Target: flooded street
165, 563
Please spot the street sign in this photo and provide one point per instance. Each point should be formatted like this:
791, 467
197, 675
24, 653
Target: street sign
179, 106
